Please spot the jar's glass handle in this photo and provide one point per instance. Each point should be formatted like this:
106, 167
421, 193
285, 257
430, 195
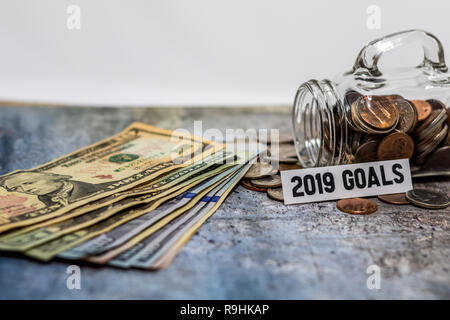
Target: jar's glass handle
432, 48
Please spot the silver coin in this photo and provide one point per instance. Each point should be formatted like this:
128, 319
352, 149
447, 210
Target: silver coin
427, 199
267, 182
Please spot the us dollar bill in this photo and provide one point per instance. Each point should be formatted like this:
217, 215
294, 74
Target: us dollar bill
243, 156
181, 236
177, 179
146, 252
138, 154
123, 233
50, 249
27, 238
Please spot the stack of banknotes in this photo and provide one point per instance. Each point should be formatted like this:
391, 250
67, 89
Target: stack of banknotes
132, 200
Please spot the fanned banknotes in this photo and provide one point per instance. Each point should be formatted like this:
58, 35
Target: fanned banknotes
132, 200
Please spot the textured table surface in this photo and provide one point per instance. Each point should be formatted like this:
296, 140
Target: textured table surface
252, 247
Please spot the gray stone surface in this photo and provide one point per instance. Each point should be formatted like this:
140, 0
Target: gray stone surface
252, 247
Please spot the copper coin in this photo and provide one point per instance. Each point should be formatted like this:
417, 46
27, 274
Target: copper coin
395, 198
423, 109
367, 152
357, 206
267, 182
407, 115
377, 112
397, 145
246, 184
276, 194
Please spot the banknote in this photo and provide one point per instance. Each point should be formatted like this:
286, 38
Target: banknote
243, 156
148, 239
194, 174
144, 253
138, 154
35, 235
123, 233
50, 249
180, 237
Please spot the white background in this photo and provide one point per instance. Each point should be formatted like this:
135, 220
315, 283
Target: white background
191, 52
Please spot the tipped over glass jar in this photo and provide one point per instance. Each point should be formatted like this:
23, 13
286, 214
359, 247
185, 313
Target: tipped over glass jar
365, 115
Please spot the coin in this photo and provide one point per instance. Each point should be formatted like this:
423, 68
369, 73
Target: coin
276, 194
423, 109
267, 182
357, 206
377, 112
367, 152
428, 199
424, 151
259, 170
246, 184
397, 145
394, 198
407, 115
427, 127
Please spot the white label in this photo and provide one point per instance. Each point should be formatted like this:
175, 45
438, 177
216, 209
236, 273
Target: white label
346, 181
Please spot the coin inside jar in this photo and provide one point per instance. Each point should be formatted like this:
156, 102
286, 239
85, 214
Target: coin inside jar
357, 206
397, 145
407, 115
427, 199
377, 112
367, 152
423, 109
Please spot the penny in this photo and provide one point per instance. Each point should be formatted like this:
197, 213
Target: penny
357, 206
267, 182
407, 115
259, 170
423, 109
428, 199
246, 184
367, 152
394, 198
397, 145
377, 112
276, 194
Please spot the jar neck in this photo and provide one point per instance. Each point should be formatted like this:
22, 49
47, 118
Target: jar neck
320, 125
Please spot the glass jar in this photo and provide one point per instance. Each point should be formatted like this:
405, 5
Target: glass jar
333, 121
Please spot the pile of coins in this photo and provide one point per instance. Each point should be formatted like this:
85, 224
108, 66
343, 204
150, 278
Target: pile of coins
392, 127
264, 175
422, 198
